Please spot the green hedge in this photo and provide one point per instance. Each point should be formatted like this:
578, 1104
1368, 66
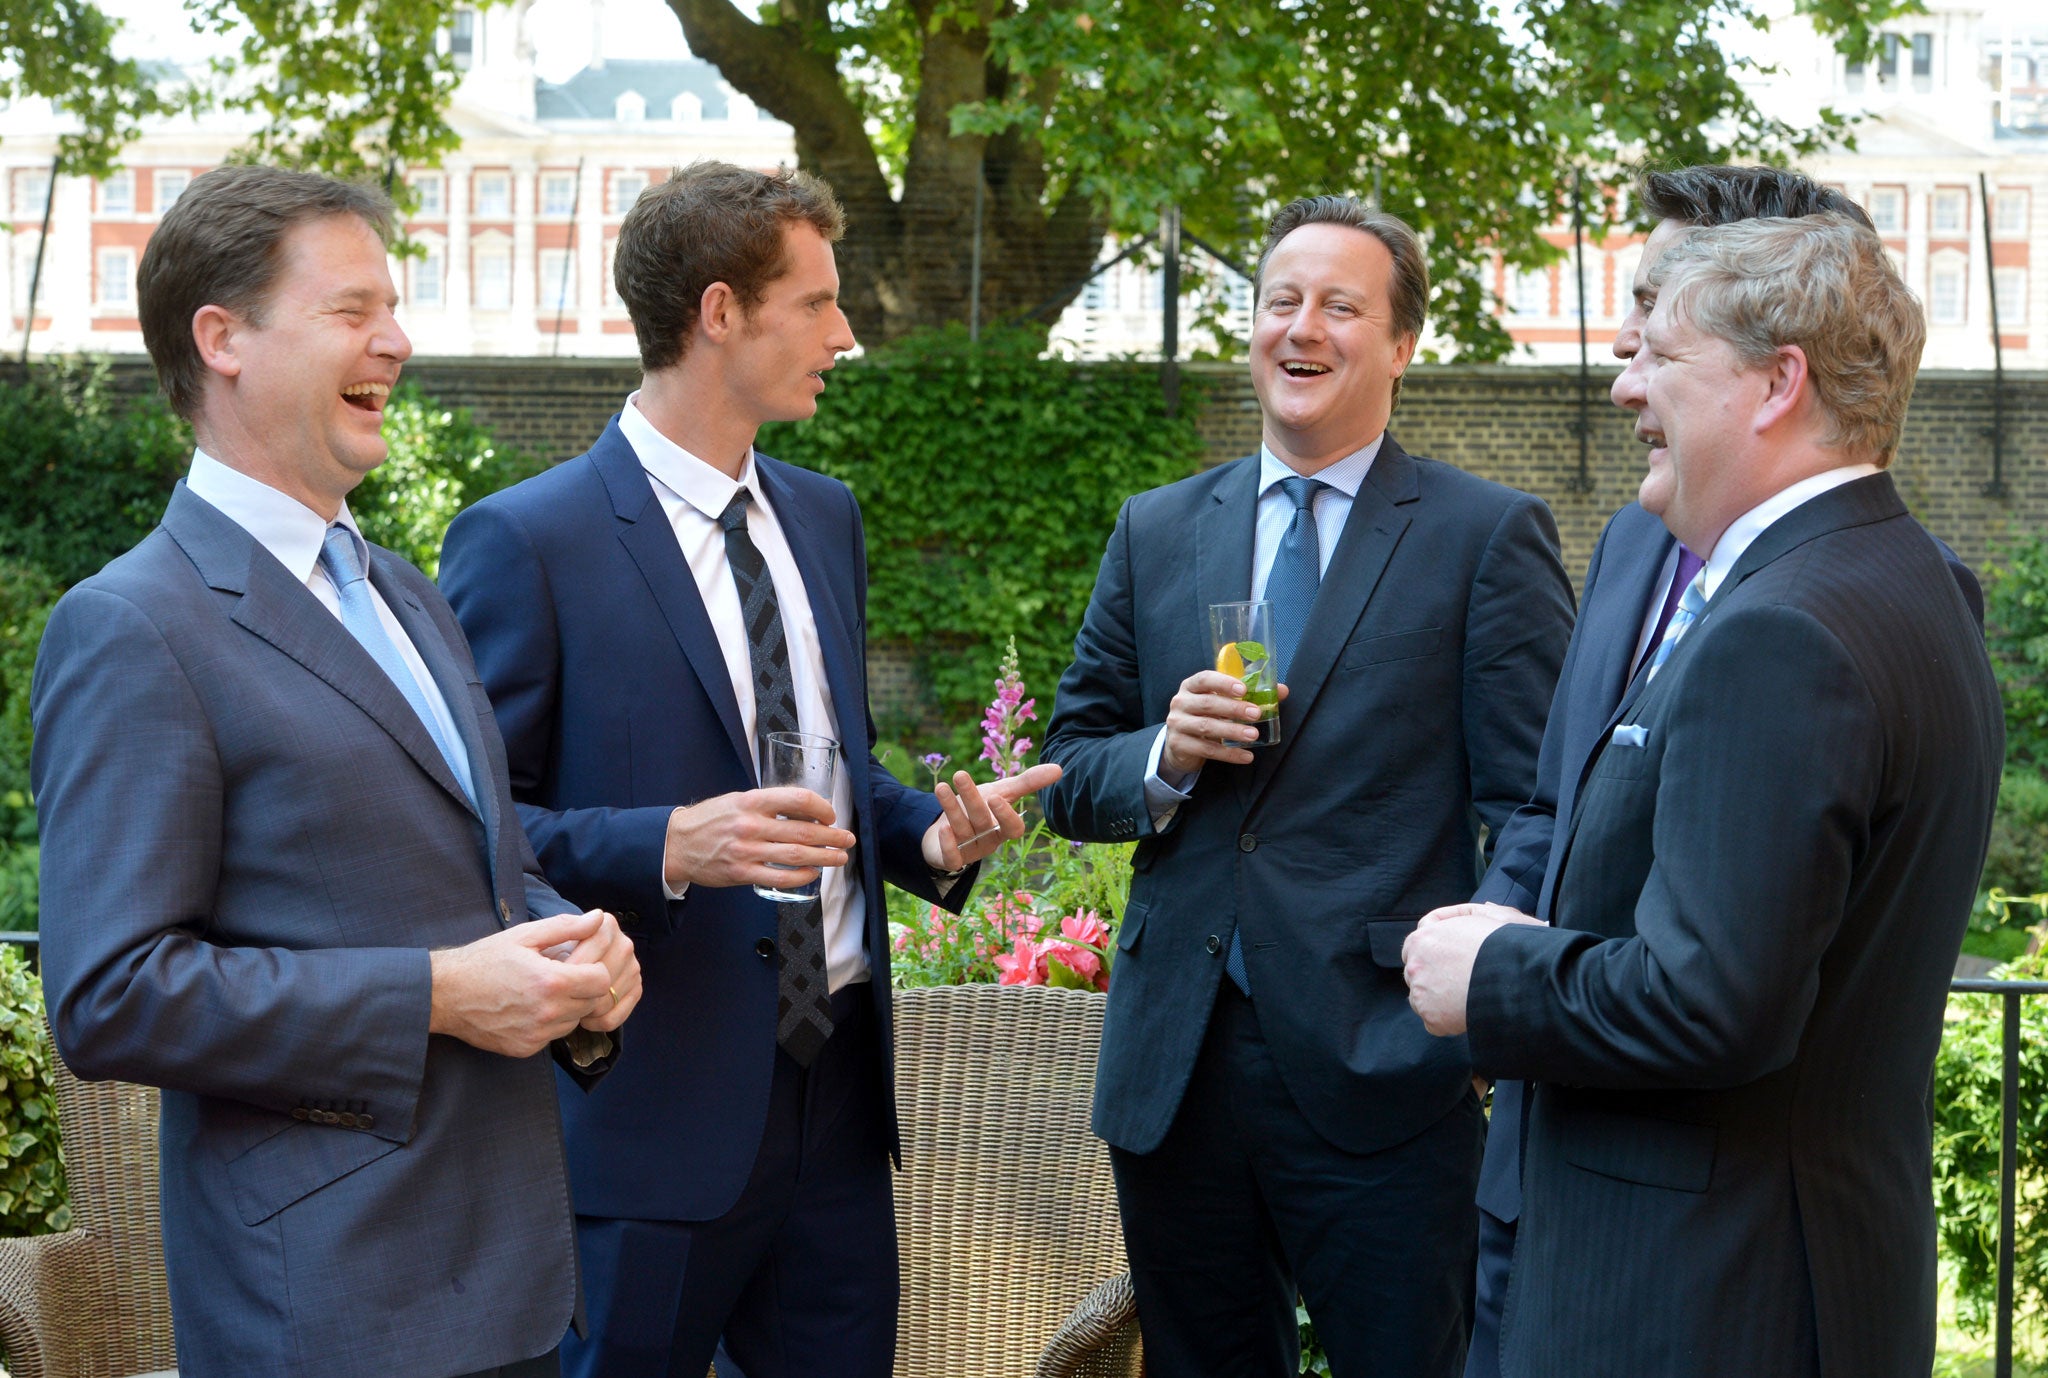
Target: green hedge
32, 1196
989, 478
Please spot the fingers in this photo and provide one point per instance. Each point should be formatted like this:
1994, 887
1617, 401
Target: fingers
791, 801
559, 928
1017, 786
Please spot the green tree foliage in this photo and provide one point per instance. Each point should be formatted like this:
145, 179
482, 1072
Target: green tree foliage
32, 1195
440, 462
989, 479
64, 49
2016, 627
1077, 117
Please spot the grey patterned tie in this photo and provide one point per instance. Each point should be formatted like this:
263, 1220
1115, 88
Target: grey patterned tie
803, 1014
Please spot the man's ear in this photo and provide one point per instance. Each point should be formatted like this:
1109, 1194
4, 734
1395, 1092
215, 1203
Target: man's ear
217, 332
1404, 353
1789, 387
718, 313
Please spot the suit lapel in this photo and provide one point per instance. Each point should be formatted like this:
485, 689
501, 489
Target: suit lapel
650, 543
281, 610
1371, 533
427, 639
836, 641
1224, 543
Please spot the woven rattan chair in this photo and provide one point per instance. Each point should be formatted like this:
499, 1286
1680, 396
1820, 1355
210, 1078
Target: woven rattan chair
92, 1302
1013, 1259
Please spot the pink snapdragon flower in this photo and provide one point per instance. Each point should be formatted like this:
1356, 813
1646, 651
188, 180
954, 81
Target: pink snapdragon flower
1004, 718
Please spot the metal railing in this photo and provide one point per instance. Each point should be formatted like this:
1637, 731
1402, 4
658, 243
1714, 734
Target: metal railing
2010, 993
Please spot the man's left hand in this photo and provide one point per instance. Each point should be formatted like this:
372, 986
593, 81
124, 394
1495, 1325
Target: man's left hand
1438, 956
977, 819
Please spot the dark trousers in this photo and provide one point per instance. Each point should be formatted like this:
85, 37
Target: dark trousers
1496, 1253
1500, 1189
1244, 1204
800, 1276
548, 1365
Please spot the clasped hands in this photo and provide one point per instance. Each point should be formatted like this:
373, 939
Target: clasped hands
1437, 960
522, 988
787, 835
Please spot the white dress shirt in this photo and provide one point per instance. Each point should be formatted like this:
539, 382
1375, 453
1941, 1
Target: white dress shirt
1743, 531
1331, 508
693, 495
294, 534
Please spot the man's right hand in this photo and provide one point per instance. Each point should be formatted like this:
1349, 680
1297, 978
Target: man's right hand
732, 839
1207, 720
504, 994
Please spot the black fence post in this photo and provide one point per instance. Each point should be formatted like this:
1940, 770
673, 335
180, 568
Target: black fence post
1169, 343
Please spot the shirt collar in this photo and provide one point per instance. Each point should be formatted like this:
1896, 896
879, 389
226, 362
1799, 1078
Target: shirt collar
1345, 475
697, 483
280, 523
1743, 531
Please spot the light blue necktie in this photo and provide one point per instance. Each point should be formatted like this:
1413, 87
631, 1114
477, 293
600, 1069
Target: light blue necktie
1691, 604
344, 565
1291, 584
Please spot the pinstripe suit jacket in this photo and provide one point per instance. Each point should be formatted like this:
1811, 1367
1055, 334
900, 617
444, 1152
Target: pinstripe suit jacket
1759, 901
250, 844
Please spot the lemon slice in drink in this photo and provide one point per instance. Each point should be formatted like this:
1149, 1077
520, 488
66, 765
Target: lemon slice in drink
1229, 662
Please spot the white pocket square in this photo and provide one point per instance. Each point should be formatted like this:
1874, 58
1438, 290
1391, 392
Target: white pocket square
1628, 734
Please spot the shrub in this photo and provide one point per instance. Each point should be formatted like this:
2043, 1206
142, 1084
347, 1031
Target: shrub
441, 461
32, 1196
84, 475
1968, 1078
989, 479
2016, 632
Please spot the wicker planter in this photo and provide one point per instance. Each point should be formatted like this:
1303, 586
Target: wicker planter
1013, 1260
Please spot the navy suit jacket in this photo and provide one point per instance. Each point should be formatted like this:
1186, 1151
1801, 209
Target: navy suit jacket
250, 846
1758, 902
616, 707
1414, 712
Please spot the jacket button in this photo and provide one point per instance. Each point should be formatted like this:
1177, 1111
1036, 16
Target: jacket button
505, 910
366, 1122
1246, 842
300, 1112
764, 948
1215, 944
348, 1121
627, 916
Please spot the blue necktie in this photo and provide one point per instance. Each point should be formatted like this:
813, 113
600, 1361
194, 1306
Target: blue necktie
1690, 604
1296, 573
1291, 585
344, 565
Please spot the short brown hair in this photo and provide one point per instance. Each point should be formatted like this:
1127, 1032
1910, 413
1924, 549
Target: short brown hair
1407, 294
1823, 283
710, 222
222, 245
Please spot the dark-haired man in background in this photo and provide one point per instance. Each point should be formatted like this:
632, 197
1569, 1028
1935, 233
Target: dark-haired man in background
642, 615
1279, 1122
282, 878
1631, 589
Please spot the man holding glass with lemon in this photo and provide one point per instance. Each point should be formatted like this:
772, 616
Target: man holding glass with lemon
1279, 1122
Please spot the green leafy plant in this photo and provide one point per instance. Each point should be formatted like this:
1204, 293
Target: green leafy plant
1968, 1079
989, 478
440, 462
2016, 633
32, 1194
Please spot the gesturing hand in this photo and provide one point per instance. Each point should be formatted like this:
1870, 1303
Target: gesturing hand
730, 840
977, 819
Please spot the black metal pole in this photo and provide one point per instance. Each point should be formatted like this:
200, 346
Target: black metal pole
1996, 487
568, 261
2008, 1180
1169, 344
35, 280
974, 266
1582, 482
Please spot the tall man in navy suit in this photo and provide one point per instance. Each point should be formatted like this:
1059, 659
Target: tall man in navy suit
1631, 590
642, 615
1278, 1121
1767, 869
282, 878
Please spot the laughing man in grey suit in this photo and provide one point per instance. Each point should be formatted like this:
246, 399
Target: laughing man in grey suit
282, 878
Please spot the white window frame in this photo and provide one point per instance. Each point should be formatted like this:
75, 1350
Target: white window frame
2010, 286
610, 294
493, 180
1948, 266
117, 193
113, 267
557, 288
431, 190
687, 108
2009, 213
428, 270
567, 205
1529, 293
23, 267
1887, 210
24, 203
492, 249
1955, 201
621, 203
629, 108
167, 176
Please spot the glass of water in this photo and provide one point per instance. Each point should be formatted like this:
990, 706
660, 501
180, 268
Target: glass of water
807, 762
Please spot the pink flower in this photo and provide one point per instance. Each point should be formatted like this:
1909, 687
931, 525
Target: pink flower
1023, 967
1086, 934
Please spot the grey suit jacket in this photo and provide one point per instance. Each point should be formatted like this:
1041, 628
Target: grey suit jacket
250, 844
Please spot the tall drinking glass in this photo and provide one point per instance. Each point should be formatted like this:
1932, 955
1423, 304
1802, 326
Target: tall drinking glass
807, 762
1242, 636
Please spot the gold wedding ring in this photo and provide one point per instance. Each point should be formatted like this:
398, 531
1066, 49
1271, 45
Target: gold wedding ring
615, 997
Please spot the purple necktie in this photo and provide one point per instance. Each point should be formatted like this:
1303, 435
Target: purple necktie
1688, 569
